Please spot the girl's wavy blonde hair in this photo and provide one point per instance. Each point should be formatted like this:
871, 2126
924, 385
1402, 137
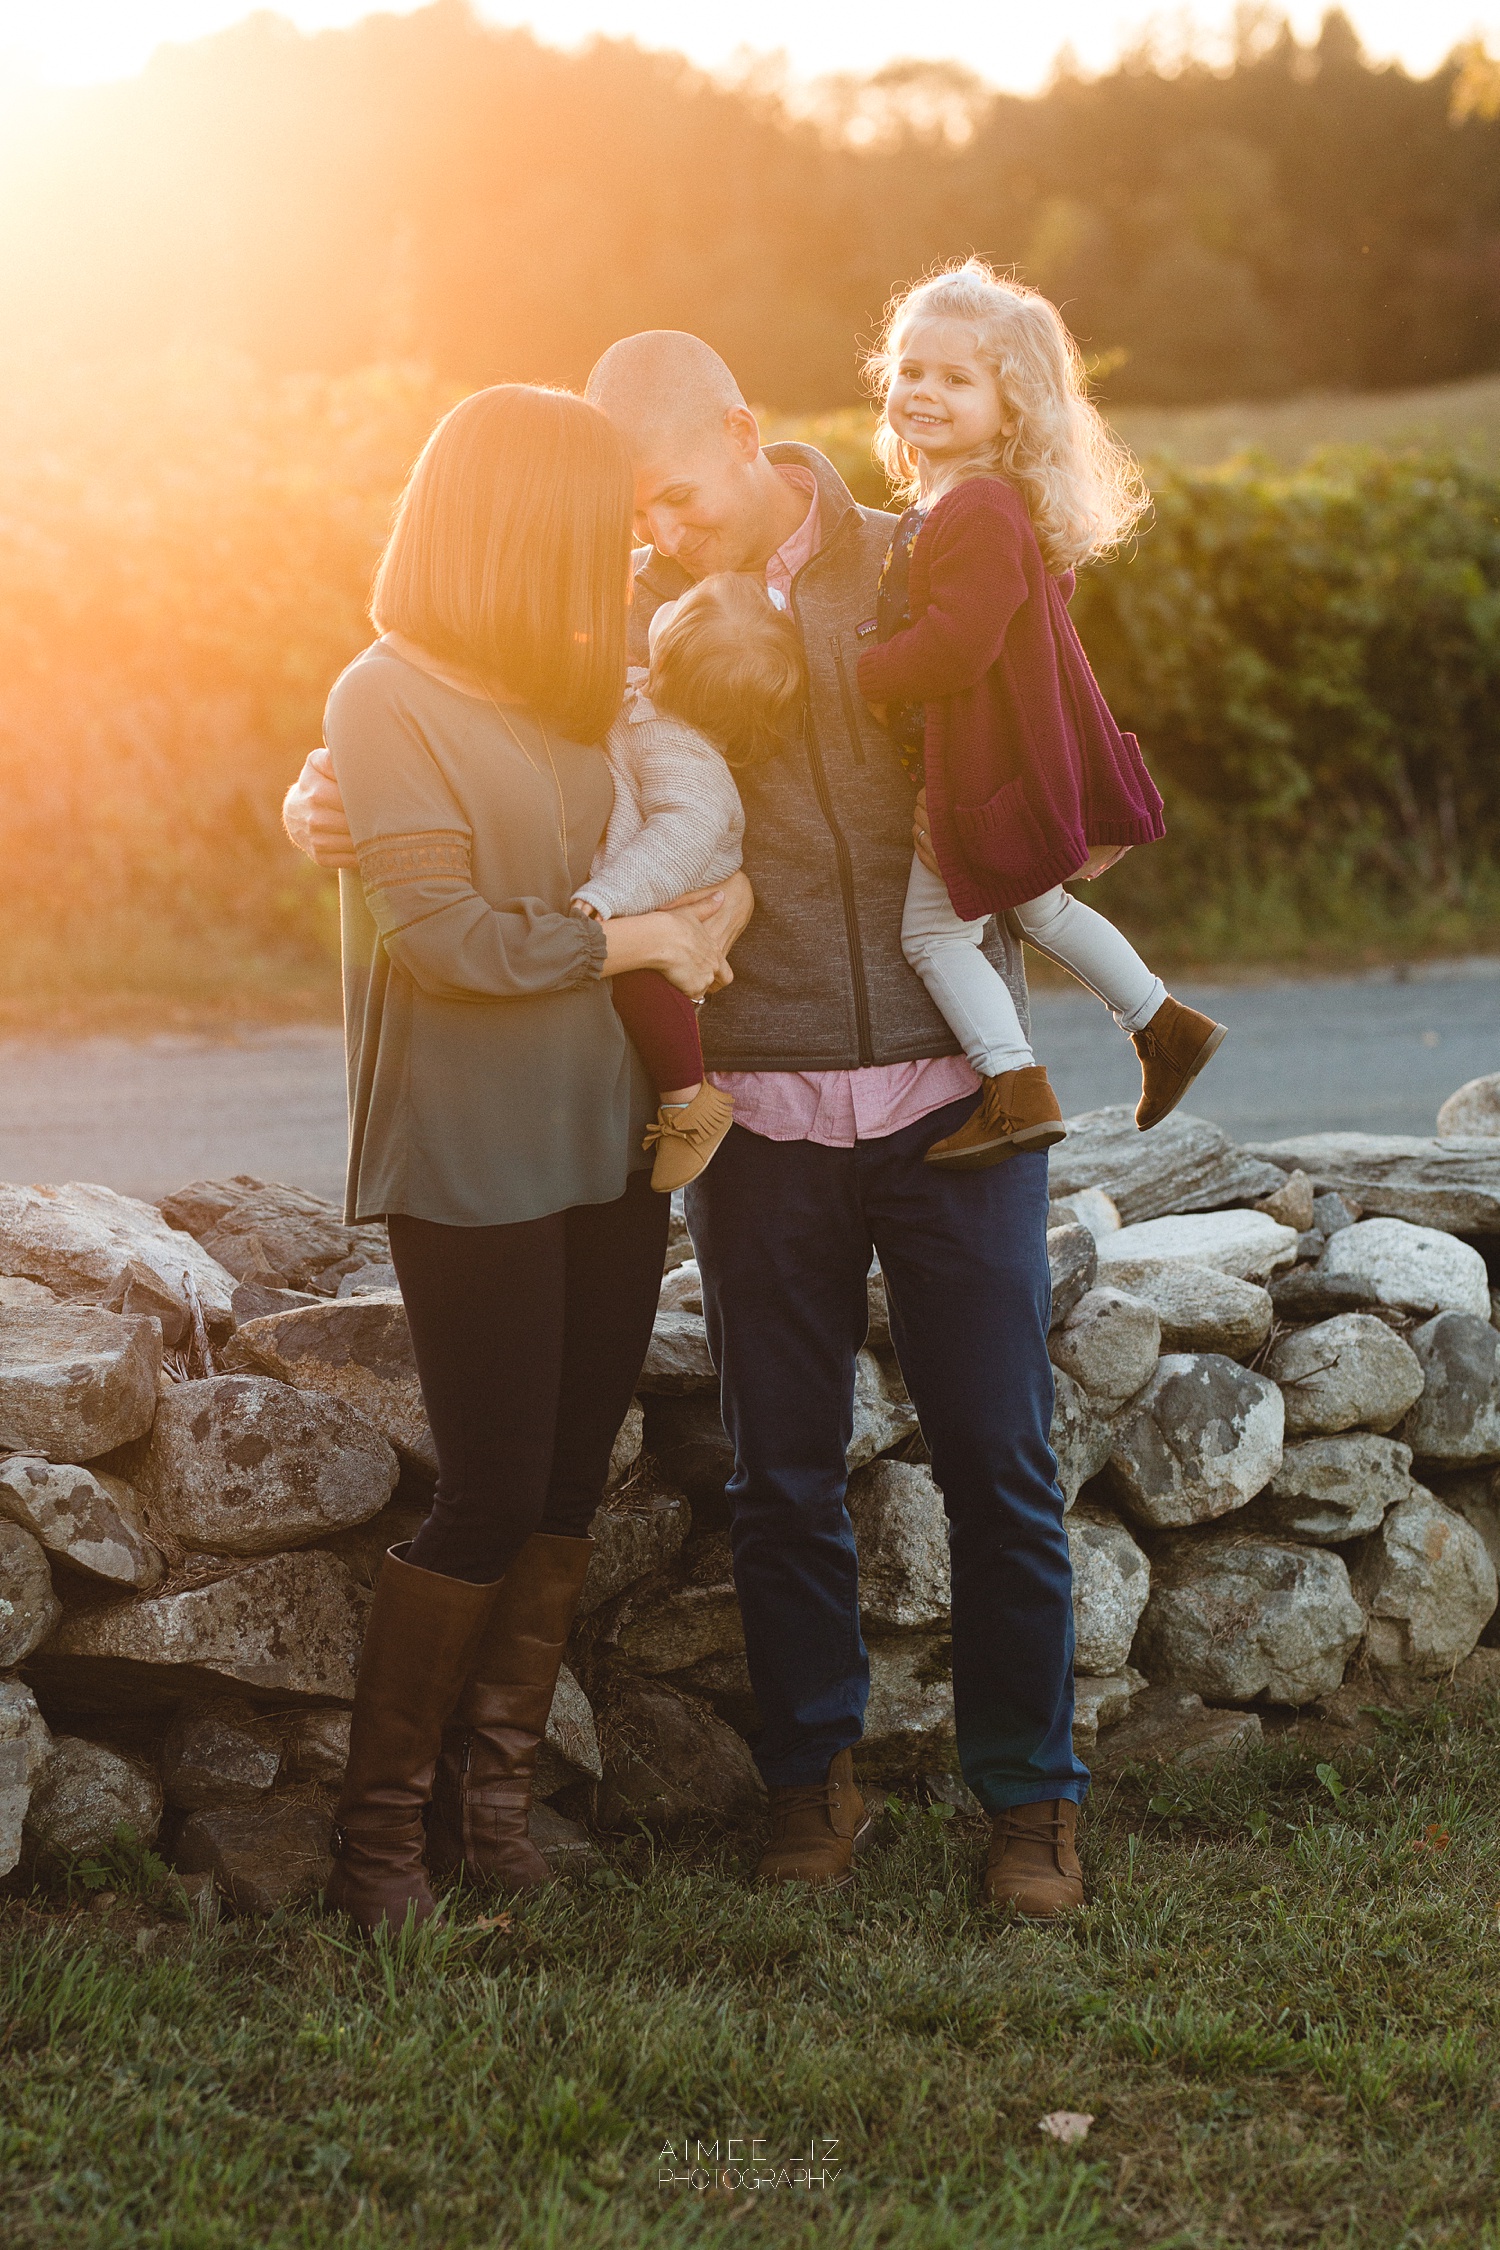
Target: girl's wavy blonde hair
1083, 488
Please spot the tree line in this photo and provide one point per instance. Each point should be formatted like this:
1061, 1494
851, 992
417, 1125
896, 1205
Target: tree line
433, 188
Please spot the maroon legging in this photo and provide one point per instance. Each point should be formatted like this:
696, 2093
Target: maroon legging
663, 1023
528, 1340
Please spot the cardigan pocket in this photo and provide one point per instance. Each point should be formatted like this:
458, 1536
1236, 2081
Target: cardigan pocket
1003, 835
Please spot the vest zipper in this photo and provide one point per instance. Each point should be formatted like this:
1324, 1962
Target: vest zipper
851, 711
846, 874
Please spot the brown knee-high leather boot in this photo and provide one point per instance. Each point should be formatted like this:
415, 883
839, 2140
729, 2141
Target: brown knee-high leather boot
419, 1644
482, 1793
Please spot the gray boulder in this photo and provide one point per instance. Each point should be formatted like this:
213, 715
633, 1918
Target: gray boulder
883, 1415
1086, 1207
87, 1793
1109, 1343
356, 1349
244, 1465
1473, 1113
1167, 1728
90, 1522
1412, 1269
219, 1753
640, 1532
673, 1621
25, 1746
1293, 1204
1111, 1583
369, 1281
28, 1607
1427, 1580
1307, 1292
564, 1844
257, 1300
902, 1534
1330, 1489
317, 1745
1199, 1308
1457, 1420
682, 1289
290, 1626
1073, 1263
1101, 1703
678, 1358
669, 1760
82, 1241
1247, 1244
1343, 1373
1081, 1438
687, 1440
1200, 1441
75, 1382
1182, 1164
570, 1747
1452, 1184
1242, 1619
911, 1692
878, 1334
629, 1440
276, 1854
284, 1235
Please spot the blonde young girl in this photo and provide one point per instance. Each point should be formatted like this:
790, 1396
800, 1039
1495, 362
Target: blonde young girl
1027, 782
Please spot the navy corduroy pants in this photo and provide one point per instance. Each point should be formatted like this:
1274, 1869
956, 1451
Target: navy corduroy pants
783, 1231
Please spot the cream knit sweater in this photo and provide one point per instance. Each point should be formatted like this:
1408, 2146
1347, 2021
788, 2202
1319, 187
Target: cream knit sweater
677, 822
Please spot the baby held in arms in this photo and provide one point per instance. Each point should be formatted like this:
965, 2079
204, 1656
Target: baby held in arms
725, 687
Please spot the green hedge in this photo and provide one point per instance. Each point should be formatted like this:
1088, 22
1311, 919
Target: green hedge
1311, 660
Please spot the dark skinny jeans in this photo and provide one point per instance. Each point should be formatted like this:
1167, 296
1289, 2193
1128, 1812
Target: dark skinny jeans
528, 1340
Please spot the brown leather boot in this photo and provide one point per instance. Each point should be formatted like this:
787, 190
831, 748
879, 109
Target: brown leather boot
1017, 1110
419, 1644
1173, 1047
816, 1829
1033, 1865
482, 1795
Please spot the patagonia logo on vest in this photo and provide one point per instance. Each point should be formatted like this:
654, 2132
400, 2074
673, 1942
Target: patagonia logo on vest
864, 630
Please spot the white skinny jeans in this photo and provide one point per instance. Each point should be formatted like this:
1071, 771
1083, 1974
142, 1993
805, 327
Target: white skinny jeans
973, 996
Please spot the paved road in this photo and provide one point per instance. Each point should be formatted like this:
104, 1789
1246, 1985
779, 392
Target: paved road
1378, 1054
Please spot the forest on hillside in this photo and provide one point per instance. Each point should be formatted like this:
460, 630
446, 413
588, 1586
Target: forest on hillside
432, 188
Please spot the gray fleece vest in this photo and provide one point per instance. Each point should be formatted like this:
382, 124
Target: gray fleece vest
820, 981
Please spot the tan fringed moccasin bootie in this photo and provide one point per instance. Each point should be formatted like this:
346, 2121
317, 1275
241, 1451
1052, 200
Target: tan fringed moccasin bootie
685, 1139
1017, 1111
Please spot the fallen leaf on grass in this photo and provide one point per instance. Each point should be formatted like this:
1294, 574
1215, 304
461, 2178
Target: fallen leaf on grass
493, 1922
1066, 2125
1434, 1838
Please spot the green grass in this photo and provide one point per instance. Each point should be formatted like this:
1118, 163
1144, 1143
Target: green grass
1281, 2008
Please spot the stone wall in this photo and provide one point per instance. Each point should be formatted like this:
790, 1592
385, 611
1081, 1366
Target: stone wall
1277, 1427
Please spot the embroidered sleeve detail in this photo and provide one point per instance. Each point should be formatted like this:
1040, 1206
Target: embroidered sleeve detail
388, 861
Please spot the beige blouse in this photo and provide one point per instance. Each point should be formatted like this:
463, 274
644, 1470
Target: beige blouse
489, 1078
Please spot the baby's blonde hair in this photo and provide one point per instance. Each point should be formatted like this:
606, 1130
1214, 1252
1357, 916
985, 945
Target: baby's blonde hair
1083, 488
729, 662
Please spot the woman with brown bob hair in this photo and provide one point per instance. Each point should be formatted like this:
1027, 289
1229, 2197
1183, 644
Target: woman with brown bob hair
496, 1108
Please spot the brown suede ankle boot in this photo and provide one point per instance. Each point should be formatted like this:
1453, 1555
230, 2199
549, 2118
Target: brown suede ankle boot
816, 1828
1173, 1047
1033, 1864
482, 1795
419, 1644
1018, 1110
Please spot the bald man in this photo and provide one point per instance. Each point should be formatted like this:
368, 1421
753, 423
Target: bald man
843, 1074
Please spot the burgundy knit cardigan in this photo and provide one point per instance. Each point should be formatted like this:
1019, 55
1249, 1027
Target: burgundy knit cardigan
1026, 769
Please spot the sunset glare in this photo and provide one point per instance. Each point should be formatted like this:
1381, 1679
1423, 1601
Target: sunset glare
76, 42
